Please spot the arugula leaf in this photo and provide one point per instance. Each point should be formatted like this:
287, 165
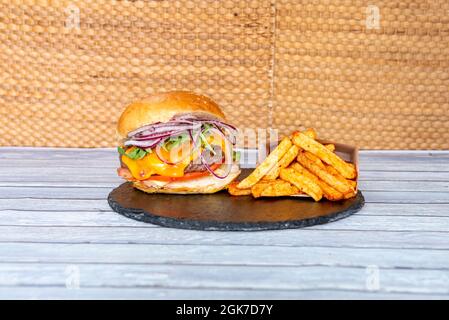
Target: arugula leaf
174, 141
206, 128
236, 156
135, 154
121, 150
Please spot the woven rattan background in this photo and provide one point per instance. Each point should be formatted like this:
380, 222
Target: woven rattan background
273, 63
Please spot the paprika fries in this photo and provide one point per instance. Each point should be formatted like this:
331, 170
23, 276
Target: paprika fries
301, 165
234, 191
266, 165
279, 188
285, 161
347, 170
302, 182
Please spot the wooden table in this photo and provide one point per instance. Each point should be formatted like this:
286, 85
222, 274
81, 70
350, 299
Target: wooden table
59, 238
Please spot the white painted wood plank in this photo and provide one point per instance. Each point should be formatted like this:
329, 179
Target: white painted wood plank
90, 218
48, 152
107, 158
224, 255
95, 199
404, 175
388, 234
227, 277
108, 175
106, 218
54, 204
110, 165
23, 187
394, 191
309, 237
414, 186
364, 220
96, 192
201, 293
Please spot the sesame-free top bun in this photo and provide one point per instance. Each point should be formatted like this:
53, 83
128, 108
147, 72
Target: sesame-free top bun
161, 107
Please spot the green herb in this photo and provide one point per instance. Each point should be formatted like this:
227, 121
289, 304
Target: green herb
135, 154
175, 141
236, 156
121, 151
206, 127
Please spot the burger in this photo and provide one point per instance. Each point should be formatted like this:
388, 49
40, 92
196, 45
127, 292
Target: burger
177, 142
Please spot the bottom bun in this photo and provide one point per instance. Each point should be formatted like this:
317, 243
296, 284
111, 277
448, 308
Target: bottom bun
207, 184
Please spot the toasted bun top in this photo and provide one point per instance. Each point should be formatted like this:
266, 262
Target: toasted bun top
161, 107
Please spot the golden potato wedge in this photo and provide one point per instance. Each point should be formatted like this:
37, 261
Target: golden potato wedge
273, 174
302, 182
279, 188
330, 147
270, 161
350, 195
329, 192
285, 161
345, 169
259, 187
234, 191
311, 133
315, 159
339, 184
352, 183
334, 172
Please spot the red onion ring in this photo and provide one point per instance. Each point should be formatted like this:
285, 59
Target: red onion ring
142, 144
161, 157
150, 136
208, 168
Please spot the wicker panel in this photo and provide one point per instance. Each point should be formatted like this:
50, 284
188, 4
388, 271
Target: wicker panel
376, 88
66, 86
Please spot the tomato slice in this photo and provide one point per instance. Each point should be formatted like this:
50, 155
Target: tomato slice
186, 176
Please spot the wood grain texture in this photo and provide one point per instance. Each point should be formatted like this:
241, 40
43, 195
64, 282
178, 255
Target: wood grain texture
54, 219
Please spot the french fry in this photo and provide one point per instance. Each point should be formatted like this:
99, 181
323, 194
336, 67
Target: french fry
329, 192
345, 169
350, 195
339, 184
311, 133
315, 159
270, 161
330, 147
302, 182
352, 183
259, 187
279, 188
334, 172
234, 191
285, 161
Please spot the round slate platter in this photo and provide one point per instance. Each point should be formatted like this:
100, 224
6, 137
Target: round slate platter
220, 211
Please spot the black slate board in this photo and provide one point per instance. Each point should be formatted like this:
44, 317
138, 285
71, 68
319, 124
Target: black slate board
220, 211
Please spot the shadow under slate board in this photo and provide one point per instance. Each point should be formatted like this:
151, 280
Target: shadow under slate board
223, 212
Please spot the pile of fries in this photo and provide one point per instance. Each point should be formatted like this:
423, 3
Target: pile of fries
300, 165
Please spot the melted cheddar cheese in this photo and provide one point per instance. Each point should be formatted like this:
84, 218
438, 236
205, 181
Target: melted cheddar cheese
150, 165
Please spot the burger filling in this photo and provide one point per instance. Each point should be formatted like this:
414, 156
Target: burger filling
183, 148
